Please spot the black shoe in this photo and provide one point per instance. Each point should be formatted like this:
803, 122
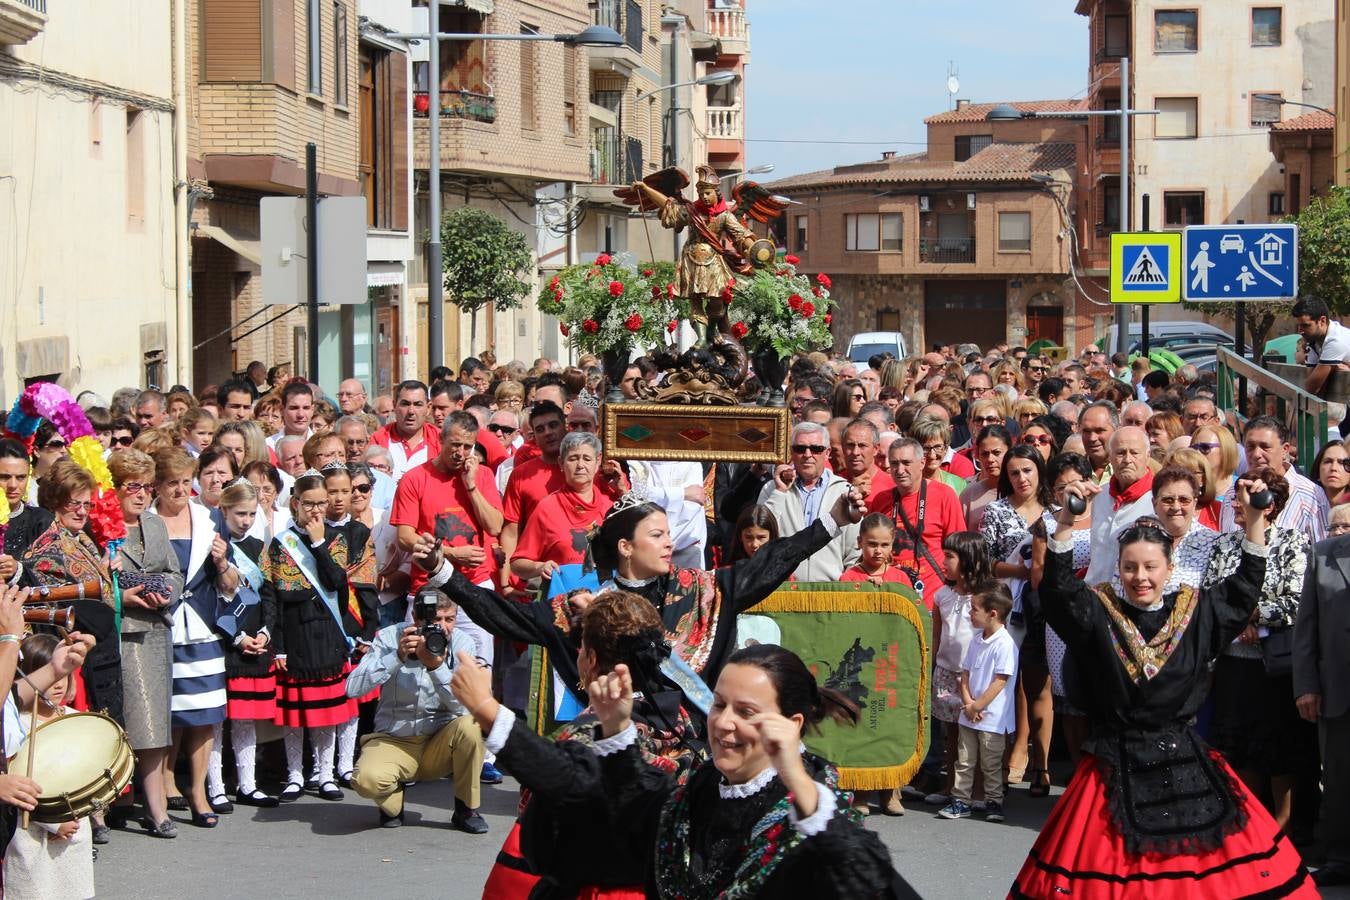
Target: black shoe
345, 779
221, 804
178, 804
205, 820
101, 833
391, 821
291, 793
256, 798
329, 791
993, 811
165, 829
468, 820
1332, 874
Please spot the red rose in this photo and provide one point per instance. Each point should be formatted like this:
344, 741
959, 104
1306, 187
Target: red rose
824, 280
656, 292
616, 288
558, 294
791, 260
670, 291
647, 273
553, 282
808, 309
795, 301
565, 330
672, 325
828, 318
633, 322
603, 259
816, 291
739, 330
726, 294
590, 326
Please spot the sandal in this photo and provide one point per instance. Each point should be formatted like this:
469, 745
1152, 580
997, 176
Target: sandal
205, 820
1038, 787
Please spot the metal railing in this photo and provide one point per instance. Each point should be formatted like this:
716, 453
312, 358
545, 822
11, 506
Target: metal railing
1303, 413
947, 250
37, 5
458, 105
609, 13
615, 159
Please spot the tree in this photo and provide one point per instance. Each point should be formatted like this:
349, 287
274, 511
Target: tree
484, 261
1323, 267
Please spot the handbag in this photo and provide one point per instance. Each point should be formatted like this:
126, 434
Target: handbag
1277, 651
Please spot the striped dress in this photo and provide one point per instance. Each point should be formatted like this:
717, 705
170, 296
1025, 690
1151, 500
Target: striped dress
198, 657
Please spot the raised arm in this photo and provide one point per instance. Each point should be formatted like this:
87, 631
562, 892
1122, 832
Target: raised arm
490, 611
1232, 600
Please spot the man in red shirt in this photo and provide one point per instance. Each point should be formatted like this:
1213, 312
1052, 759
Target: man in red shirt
925, 512
410, 439
456, 499
860, 441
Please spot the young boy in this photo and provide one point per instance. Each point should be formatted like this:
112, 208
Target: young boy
988, 714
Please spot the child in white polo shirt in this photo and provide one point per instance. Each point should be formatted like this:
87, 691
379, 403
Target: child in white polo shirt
988, 713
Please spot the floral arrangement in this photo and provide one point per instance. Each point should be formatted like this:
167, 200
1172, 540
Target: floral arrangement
781, 308
45, 400
605, 306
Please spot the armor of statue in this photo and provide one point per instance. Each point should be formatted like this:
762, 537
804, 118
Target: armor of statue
719, 243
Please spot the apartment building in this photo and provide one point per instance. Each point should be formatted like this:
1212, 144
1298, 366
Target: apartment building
88, 262
969, 240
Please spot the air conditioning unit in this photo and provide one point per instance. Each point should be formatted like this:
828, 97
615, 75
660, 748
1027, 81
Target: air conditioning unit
923, 203
970, 201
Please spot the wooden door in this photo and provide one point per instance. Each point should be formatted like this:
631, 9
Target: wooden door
959, 311
1045, 323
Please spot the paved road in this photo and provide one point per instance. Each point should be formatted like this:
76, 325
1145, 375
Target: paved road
314, 848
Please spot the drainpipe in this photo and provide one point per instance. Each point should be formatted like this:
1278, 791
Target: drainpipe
182, 245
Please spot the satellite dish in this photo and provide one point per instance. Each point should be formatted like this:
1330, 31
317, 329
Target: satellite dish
953, 84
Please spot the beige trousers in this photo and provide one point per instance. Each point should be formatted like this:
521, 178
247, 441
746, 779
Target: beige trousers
985, 750
386, 762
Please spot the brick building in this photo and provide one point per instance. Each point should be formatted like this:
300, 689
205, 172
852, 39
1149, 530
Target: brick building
969, 240
1303, 146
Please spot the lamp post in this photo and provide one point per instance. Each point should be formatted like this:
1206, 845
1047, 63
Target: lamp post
1005, 112
591, 36
764, 169
1276, 98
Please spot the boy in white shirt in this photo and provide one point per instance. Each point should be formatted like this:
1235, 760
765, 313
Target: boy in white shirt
988, 714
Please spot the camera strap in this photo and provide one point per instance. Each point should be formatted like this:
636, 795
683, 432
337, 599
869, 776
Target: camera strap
916, 534
303, 558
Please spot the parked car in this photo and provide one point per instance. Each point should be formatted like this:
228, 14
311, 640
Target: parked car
1170, 334
863, 346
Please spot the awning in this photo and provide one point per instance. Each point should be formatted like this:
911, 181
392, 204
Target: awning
249, 249
483, 6
384, 274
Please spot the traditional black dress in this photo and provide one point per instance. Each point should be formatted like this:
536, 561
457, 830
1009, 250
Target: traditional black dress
1152, 811
24, 527
698, 608
707, 839
251, 679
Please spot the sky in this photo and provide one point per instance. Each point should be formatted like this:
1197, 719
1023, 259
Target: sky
871, 70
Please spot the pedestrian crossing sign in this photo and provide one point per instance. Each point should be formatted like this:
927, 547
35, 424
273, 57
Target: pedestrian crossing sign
1146, 267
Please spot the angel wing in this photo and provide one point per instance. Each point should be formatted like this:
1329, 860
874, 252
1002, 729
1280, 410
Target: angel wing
669, 182
757, 202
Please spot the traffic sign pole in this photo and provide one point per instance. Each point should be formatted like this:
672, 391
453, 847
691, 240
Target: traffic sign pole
1144, 310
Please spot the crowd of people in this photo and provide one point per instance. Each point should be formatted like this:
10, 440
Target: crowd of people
379, 572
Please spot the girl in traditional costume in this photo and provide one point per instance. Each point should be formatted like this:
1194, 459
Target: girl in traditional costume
1152, 810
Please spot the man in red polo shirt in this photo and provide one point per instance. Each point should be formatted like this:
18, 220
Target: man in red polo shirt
410, 439
860, 441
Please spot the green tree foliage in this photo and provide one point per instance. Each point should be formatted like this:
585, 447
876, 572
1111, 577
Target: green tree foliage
484, 261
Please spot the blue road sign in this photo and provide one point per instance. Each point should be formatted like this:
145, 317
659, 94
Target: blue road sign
1241, 262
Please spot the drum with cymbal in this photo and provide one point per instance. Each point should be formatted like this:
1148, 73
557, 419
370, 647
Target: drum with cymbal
82, 762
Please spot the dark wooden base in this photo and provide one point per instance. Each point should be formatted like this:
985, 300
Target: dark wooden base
696, 433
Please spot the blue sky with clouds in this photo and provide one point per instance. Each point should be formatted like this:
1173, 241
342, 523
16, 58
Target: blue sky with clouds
871, 70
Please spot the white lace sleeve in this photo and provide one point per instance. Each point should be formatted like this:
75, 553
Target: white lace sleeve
817, 822
501, 730
621, 741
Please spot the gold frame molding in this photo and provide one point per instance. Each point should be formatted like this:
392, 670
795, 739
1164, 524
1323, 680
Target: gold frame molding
665, 421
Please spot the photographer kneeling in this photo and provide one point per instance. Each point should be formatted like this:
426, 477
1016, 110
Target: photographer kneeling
422, 733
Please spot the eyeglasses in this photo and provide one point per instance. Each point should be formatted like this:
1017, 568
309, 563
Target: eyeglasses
1205, 446
125, 440
135, 487
987, 420
77, 505
803, 449
312, 505
363, 488
1043, 440
935, 449
1338, 527
1344, 462
502, 429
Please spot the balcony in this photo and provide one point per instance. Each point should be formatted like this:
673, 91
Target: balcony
625, 17
725, 123
21, 20
730, 28
947, 250
457, 105
614, 159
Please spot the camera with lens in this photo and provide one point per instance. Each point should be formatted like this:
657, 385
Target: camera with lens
424, 615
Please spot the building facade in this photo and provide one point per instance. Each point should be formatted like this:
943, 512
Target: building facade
88, 260
1341, 142
968, 241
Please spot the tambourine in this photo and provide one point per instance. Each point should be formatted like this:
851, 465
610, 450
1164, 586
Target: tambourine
762, 253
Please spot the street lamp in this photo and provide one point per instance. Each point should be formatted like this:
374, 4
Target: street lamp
764, 169
1006, 112
1276, 98
721, 76
591, 36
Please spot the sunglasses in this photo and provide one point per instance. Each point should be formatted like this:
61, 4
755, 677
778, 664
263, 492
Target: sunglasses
77, 505
803, 449
53, 445
502, 429
1043, 440
363, 488
1204, 446
1035, 368
135, 487
125, 440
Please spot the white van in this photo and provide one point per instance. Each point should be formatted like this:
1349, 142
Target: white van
862, 347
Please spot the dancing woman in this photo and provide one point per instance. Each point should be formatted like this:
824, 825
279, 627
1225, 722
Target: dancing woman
698, 608
765, 818
1151, 809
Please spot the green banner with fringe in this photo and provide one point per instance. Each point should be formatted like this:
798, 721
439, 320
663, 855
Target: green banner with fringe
872, 643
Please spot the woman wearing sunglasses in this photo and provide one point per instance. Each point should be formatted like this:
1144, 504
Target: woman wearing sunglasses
1332, 472
1046, 434
1220, 450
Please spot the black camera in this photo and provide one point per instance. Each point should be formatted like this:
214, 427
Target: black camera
424, 614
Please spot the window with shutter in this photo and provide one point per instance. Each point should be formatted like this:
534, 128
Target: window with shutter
314, 46
529, 74
570, 90
1176, 118
1014, 231
339, 53
232, 38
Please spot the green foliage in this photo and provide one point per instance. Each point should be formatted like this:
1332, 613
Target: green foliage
604, 306
781, 308
663, 271
484, 260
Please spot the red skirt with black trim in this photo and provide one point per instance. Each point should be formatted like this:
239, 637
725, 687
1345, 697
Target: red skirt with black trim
1080, 854
251, 698
315, 702
511, 878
